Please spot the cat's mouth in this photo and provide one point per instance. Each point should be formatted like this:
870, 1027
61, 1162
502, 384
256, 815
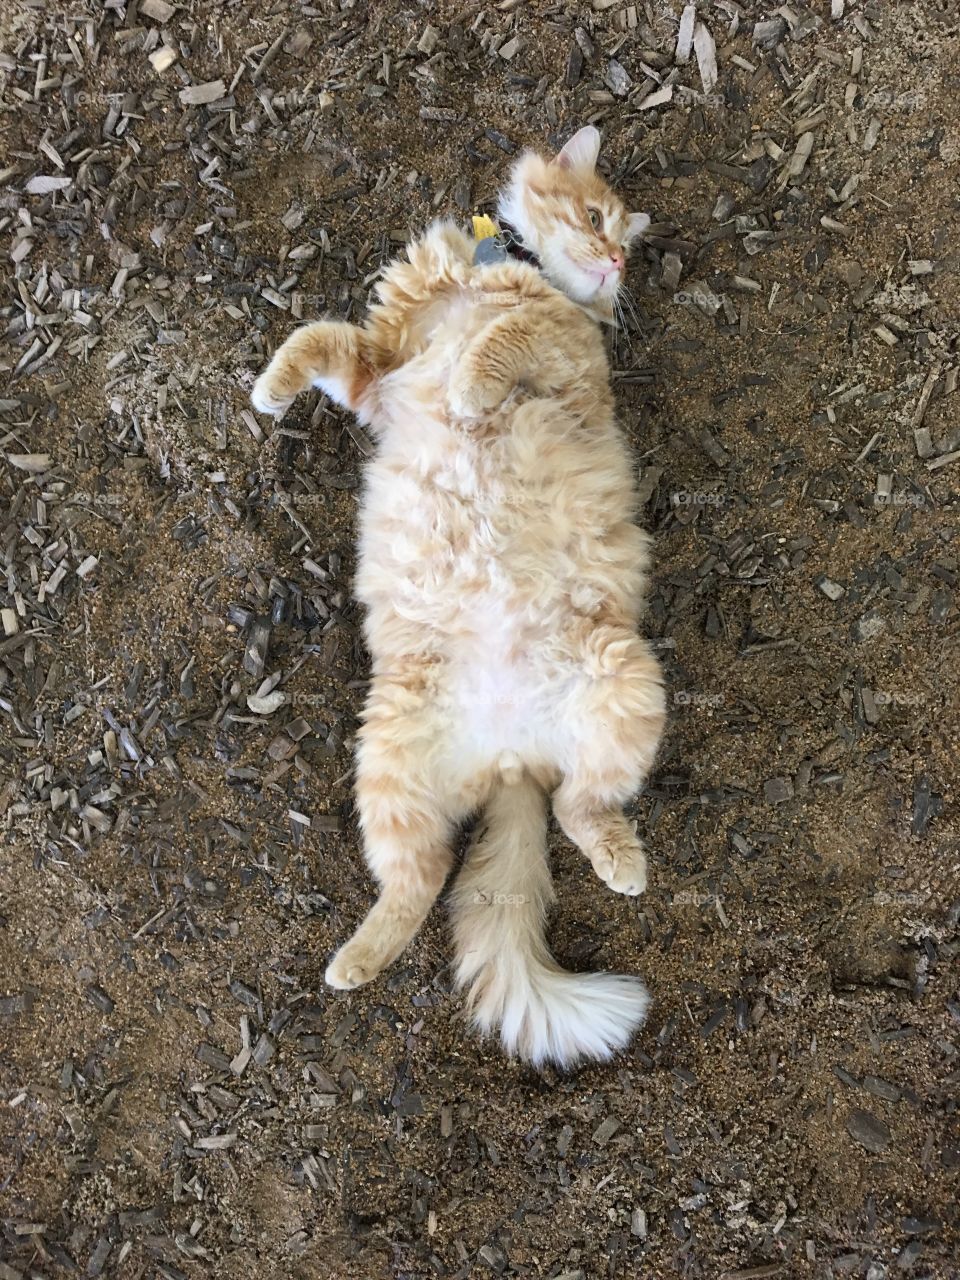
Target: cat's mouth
600, 277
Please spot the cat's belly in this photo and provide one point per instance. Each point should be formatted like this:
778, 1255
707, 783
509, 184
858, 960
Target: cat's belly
494, 707
483, 554
494, 696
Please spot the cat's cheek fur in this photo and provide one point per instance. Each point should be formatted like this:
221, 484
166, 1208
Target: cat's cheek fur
637, 224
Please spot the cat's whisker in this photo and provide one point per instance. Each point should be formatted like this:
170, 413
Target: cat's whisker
622, 325
635, 307
628, 306
628, 300
617, 313
634, 314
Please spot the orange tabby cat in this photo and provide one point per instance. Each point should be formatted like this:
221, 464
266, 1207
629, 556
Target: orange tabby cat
502, 574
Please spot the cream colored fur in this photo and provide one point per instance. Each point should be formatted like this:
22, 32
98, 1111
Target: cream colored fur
502, 574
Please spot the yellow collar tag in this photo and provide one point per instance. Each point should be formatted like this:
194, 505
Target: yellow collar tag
484, 228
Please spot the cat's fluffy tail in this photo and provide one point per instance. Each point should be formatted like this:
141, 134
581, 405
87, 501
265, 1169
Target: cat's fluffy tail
499, 903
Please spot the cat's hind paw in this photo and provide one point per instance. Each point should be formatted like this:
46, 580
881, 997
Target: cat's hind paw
354, 965
621, 864
345, 978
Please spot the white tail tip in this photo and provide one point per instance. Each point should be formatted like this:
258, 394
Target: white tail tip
548, 1015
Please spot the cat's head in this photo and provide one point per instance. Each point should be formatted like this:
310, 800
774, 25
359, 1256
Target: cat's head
566, 214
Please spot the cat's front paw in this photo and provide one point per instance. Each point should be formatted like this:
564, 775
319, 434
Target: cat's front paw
268, 397
472, 397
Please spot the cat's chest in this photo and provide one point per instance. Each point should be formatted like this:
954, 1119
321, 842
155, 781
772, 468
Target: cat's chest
448, 321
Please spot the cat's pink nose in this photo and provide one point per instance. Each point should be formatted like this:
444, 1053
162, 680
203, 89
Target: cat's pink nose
617, 260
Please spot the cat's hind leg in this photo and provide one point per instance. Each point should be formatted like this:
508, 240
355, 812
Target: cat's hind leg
612, 719
330, 354
598, 827
408, 807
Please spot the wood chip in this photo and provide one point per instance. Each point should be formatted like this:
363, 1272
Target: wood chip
868, 1130
659, 98
778, 790
159, 10
872, 133
428, 40
33, 462
670, 271
42, 184
832, 590
216, 1142
944, 460
162, 58
706, 51
688, 20
197, 95
930, 382
801, 154
606, 1130
617, 78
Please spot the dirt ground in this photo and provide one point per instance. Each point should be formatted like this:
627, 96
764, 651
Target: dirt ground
180, 1096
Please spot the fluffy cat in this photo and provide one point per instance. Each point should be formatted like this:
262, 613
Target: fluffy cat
502, 574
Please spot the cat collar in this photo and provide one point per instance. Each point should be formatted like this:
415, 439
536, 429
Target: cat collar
496, 244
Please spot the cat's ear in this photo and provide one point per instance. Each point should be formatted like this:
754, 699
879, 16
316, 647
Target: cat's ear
637, 224
581, 152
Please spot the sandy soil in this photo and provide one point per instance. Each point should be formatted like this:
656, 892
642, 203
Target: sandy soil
179, 1094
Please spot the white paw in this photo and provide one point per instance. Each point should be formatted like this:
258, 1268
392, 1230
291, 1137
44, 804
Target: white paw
622, 866
351, 967
266, 400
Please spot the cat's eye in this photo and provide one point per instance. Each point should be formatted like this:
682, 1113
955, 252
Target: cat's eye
596, 218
